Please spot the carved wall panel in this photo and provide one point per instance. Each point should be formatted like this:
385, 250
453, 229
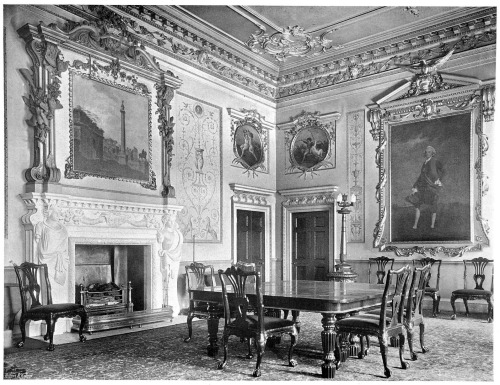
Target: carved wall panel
356, 174
198, 161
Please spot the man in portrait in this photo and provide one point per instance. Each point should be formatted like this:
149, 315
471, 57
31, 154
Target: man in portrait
427, 187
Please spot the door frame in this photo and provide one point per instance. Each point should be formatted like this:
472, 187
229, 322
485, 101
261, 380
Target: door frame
307, 200
254, 199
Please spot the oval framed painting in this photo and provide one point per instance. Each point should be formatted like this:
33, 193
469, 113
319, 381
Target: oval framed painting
247, 146
309, 147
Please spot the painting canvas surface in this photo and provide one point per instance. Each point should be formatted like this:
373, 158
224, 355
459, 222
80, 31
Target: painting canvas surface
197, 158
111, 131
450, 136
248, 146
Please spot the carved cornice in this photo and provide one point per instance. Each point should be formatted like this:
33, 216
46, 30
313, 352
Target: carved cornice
466, 36
310, 196
249, 195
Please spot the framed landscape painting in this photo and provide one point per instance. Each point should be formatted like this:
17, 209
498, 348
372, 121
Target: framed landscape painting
110, 131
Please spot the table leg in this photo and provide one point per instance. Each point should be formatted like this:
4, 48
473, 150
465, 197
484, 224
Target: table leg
213, 328
328, 341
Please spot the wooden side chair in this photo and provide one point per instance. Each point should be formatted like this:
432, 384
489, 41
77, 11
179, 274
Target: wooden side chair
389, 323
432, 288
479, 265
36, 302
238, 322
197, 275
383, 265
413, 313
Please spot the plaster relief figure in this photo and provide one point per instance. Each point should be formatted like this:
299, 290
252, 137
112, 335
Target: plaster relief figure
51, 237
170, 239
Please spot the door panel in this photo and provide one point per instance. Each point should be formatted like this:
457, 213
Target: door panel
310, 240
250, 239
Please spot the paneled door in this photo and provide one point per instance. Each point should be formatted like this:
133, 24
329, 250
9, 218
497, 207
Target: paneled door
250, 242
310, 239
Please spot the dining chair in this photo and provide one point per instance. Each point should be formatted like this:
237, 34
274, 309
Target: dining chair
238, 321
432, 288
389, 323
413, 315
36, 302
197, 275
381, 263
479, 265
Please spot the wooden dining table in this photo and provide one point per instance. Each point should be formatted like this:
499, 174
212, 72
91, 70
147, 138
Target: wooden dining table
331, 299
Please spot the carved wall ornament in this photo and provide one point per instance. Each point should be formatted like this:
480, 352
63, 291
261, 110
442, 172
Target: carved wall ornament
290, 41
250, 137
43, 100
447, 123
489, 103
309, 143
356, 174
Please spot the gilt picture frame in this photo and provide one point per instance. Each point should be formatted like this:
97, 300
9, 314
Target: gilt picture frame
100, 144
431, 182
310, 141
250, 138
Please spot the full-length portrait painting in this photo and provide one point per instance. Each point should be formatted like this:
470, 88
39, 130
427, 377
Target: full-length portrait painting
111, 131
430, 180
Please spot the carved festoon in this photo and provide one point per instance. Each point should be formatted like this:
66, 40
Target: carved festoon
43, 99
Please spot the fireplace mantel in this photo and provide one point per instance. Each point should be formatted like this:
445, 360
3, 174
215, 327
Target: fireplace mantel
101, 221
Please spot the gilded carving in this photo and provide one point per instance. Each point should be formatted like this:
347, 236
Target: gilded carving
488, 95
164, 96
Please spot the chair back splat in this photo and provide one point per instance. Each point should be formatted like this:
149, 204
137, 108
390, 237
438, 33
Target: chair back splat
432, 287
381, 263
239, 322
36, 302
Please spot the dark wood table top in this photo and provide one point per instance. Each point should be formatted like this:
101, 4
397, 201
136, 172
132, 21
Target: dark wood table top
313, 296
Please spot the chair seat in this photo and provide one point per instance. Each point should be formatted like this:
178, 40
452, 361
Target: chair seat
56, 308
270, 323
431, 290
472, 292
361, 322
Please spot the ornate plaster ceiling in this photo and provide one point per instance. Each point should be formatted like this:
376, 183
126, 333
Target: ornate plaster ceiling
331, 29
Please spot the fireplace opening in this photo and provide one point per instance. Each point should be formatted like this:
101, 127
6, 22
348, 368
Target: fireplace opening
118, 264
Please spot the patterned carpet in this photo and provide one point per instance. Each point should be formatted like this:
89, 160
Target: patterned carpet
459, 350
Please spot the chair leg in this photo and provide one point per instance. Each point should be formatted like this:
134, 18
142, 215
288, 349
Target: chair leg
225, 339
293, 341
437, 304
51, 323
410, 333
404, 364
22, 326
422, 332
249, 344
466, 304
190, 327
452, 301
83, 321
384, 347
490, 309
434, 305
261, 345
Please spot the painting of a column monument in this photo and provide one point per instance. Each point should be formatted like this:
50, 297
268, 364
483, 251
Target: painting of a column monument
111, 130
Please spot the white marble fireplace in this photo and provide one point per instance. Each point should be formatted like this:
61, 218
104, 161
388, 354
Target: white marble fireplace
89, 221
